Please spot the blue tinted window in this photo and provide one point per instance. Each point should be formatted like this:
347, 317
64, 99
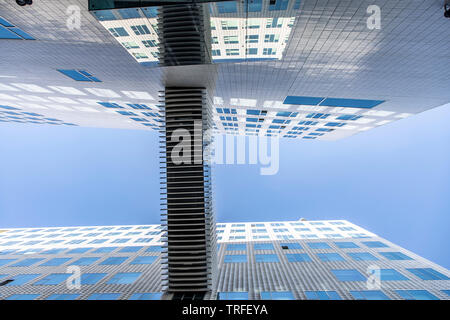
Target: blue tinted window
375, 244
348, 275
395, 256
346, 245
298, 257
263, 246
416, 295
124, 278
114, 260
277, 295
4, 262
21, 279
79, 250
104, 296
330, 256
235, 258
130, 249
55, 262
91, 278
85, 261
54, 251
362, 256
66, 296
129, 13
146, 296
391, 275
266, 258
105, 249
447, 292
154, 249
254, 5
369, 295
52, 279
22, 297
78, 75
6, 34
227, 7
290, 246
104, 15
144, 260
318, 245
236, 247
27, 262
428, 274
322, 295
279, 5
232, 295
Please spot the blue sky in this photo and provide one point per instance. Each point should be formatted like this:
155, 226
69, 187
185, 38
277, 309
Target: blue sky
393, 180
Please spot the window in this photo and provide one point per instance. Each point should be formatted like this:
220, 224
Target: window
144, 260
104, 296
277, 295
141, 29
447, 292
252, 51
91, 278
146, 296
369, 295
416, 295
289, 246
252, 38
348, 275
79, 250
55, 262
395, 256
362, 256
274, 23
236, 247
232, 295
22, 297
271, 38
85, 261
131, 45
266, 258
322, 295
105, 250
318, 245
263, 246
391, 275
53, 279
346, 245
130, 249
232, 52
279, 5
154, 249
230, 39
20, 279
124, 278
330, 257
123, 240
235, 258
298, 257
9, 31
428, 274
4, 262
229, 25
26, 262
215, 52
375, 244
79, 75
269, 51
227, 7
65, 296
114, 260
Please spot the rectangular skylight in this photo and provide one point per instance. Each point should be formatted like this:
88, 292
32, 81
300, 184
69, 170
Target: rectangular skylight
350, 103
309, 101
79, 75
